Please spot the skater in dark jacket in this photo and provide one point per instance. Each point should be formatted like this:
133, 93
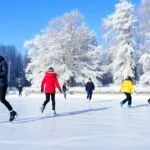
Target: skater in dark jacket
127, 88
3, 87
48, 85
64, 90
89, 87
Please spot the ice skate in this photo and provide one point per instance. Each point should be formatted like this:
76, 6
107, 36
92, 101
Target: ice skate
13, 114
149, 100
54, 112
129, 106
121, 104
42, 109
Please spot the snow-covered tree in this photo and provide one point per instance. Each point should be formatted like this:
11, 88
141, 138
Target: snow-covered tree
144, 43
68, 46
145, 61
120, 36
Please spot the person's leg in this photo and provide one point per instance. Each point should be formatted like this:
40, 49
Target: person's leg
90, 97
65, 95
149, 100
53, 101
88, 94
125, 100
19, 92
45, 102
47, 99
129, 99
3, 91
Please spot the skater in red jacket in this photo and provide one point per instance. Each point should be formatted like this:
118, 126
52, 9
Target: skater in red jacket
48, 85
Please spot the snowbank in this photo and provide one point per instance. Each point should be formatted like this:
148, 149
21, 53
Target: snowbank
109, 89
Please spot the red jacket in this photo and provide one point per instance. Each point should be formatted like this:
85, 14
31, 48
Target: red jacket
50, 82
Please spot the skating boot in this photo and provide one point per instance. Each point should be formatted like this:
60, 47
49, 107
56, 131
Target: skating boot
121, 104
54, 112
42, 109
129, 106
149, 100
12, 115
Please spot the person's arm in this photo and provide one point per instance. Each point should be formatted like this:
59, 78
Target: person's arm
4, 71
132, 88
57, 84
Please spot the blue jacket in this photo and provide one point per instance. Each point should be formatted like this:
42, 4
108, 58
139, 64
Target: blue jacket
89, 86
3, 72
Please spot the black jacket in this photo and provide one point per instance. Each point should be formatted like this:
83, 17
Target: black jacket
89, 86
3, 72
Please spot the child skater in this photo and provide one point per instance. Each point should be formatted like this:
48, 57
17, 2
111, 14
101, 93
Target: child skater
127, 88
64, 90
89, 87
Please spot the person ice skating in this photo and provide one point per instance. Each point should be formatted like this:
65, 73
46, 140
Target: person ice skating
89, 87
127, 88
3, 87
64, 90
48, 85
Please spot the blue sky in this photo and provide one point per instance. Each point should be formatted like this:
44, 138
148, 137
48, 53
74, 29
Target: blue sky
22, 19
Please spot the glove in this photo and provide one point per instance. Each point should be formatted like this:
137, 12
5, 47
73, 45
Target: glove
41, 90
60, 91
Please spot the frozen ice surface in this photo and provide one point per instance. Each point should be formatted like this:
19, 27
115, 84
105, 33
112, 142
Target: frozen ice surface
79, 125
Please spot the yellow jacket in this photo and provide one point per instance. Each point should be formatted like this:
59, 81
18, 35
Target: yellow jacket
127, 87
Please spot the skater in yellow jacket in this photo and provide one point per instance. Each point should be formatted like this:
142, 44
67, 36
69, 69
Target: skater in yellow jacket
127, 88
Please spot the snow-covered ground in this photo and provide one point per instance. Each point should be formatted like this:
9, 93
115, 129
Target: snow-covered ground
97, 125
112, 89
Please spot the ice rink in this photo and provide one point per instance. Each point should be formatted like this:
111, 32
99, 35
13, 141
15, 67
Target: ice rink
79, 125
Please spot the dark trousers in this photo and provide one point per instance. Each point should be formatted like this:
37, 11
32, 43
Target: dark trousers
3, 90
20, 93
128, 99
89, 95
48, 99
65, 95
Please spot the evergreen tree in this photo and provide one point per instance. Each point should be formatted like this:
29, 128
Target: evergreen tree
144, 43
120, 35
